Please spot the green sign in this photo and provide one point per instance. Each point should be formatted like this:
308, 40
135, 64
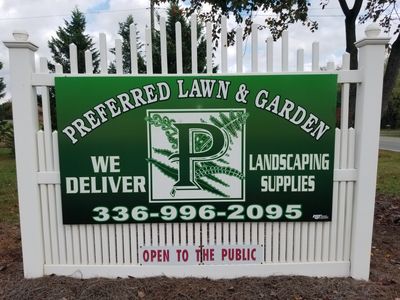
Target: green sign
196, 148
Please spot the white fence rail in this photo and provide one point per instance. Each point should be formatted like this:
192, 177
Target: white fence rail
337, 248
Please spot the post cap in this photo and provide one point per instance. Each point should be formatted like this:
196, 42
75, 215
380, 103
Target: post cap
20, 41
20, 35
373, 30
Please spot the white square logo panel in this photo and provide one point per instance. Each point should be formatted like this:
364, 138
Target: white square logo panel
196, 155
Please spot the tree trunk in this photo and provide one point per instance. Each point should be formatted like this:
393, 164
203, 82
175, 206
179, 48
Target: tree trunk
391, 73
350, 23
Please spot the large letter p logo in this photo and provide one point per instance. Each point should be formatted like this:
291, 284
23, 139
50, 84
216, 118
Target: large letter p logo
214, 146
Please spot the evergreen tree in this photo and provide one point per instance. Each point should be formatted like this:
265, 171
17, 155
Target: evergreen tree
2, 84
391, 117
124, 32
386, 12
279, 14
176, 14
6, 111
73, 32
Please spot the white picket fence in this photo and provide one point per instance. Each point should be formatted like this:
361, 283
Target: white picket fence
337, 248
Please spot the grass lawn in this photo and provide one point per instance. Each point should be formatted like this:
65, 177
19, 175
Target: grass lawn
390, 132
389, 173
8, 188
388, 181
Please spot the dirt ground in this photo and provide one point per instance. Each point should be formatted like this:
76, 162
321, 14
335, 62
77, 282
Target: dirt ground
384, 280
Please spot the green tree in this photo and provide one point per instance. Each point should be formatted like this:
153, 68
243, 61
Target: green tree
386, 13
176, 14
282, 13
6, 111
7, 135
6, 129
2, 84
124, 32
73, 32
285, 13
391, 116
351, 14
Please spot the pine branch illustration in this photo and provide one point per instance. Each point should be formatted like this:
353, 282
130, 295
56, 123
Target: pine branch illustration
208, 187
223, 161
211, 164
164, 152
216, 179
165, 169
232, 123
228, 123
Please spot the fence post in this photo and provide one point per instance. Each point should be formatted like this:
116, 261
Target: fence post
25, 119
367, 125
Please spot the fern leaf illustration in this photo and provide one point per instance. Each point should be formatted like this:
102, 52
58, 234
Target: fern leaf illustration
231, 124
216, 179
216, 122
236, 125
165, 169
164, 152
209, 164
223, 161
208, 187
211, 170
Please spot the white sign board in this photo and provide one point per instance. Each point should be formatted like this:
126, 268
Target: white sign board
201, 255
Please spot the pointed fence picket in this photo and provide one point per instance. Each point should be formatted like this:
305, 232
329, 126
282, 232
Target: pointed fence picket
289, 247
132, 42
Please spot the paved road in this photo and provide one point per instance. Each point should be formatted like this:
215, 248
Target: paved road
389, 143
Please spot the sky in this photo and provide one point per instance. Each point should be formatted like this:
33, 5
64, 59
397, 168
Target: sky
41, 18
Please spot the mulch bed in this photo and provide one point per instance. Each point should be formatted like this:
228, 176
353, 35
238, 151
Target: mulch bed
384, 279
